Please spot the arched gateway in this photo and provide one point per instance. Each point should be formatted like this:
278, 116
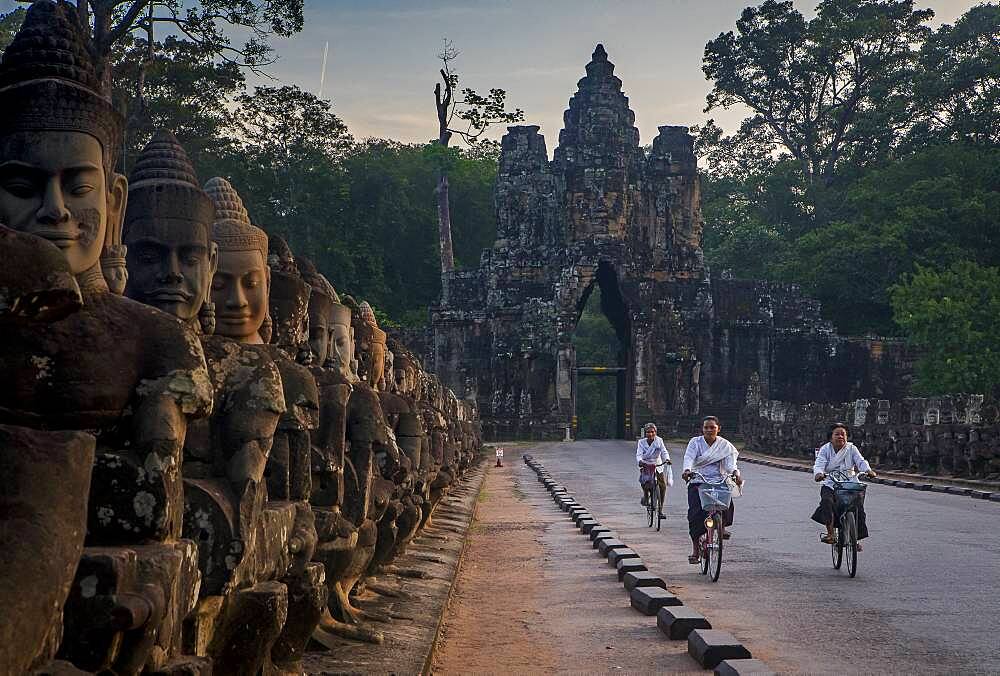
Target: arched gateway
607, 211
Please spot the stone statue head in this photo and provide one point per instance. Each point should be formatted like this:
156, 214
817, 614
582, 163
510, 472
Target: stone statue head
322, 304
58, 144
342, 339
168, 228
289, 299
242, 282
405, 371
388, 381
369, 345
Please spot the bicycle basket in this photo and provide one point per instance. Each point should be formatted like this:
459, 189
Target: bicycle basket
715, 497
849, 494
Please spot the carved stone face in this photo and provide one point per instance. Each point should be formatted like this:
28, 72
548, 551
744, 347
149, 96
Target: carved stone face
171, 266
321, 333
240, 294
342, 348
53, 184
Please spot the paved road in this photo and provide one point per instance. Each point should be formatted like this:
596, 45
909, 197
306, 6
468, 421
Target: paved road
927, 595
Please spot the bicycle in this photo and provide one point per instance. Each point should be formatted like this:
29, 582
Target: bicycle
651, 492
716, 497
849, 493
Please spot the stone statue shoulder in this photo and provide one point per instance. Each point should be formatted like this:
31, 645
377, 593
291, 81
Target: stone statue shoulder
301, 392
244, 377
86, 370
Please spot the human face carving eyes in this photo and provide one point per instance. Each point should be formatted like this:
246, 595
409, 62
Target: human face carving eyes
240, 294
53, 185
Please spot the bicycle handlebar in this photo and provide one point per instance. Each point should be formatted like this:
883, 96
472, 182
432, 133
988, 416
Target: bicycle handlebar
693, 473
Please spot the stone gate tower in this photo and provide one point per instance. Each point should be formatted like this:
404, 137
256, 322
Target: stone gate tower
607, 211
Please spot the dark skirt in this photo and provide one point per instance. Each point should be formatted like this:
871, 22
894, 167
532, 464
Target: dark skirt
826, 512
697, 515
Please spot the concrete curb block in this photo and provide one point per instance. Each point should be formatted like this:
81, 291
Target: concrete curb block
649, 600
679, 621
616, 555
642, 578
889, 481
709, 647
626, 566
648, 593
604, 545
599, 531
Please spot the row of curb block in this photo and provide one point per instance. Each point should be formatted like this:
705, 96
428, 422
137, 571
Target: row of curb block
711, 648
887, 481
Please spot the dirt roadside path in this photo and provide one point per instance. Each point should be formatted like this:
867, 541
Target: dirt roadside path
532, 596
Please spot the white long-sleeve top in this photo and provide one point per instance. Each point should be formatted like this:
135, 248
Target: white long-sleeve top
698, 448
829, 459
652, 453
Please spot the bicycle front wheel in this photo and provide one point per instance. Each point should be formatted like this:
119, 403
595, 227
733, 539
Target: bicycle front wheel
650, 505
715, 553
851, 526
706, 547
659, 508
837, 547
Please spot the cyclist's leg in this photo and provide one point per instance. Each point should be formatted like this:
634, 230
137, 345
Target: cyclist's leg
696, 520
825, 513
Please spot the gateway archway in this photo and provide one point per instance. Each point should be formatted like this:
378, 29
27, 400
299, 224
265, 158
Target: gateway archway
601, 345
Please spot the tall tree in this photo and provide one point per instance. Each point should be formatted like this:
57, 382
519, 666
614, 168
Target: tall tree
829, 91
476, 114
951, 315
108, 22
291, 144
960, 78
9, 23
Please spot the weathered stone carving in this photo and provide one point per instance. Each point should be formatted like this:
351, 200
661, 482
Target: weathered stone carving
931, 435
136, 579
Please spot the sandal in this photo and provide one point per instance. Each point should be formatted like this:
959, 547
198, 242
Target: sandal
859, 547
826, 539
694, 559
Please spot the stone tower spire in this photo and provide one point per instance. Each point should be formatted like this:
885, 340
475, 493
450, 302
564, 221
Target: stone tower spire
598, 153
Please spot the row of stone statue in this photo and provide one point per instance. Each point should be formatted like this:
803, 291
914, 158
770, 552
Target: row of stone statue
201, 474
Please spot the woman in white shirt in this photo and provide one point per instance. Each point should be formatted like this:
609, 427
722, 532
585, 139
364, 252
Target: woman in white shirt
837, 454
715, 459
652, 451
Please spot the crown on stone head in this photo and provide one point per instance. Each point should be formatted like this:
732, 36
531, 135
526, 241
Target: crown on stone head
163, 185
48, 81
232, 229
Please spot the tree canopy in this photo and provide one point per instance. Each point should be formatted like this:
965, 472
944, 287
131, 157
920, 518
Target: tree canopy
871, 151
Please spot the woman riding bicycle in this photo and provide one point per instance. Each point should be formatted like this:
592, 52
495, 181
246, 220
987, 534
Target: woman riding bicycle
651, 451
837, 454
714, 458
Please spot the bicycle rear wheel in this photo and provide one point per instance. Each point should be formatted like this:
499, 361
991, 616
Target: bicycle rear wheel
715, 553
851, 526
837, 547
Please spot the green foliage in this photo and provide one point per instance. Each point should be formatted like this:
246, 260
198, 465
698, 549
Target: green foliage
953, 315
848, 183
596, 344
9, 23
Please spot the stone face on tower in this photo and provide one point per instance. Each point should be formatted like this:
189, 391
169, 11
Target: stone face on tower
605, 211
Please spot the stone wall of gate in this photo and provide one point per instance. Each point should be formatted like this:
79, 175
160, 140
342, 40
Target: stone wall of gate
950, 435
607, 211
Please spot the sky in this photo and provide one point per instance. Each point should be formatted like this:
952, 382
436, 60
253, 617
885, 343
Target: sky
382, 62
